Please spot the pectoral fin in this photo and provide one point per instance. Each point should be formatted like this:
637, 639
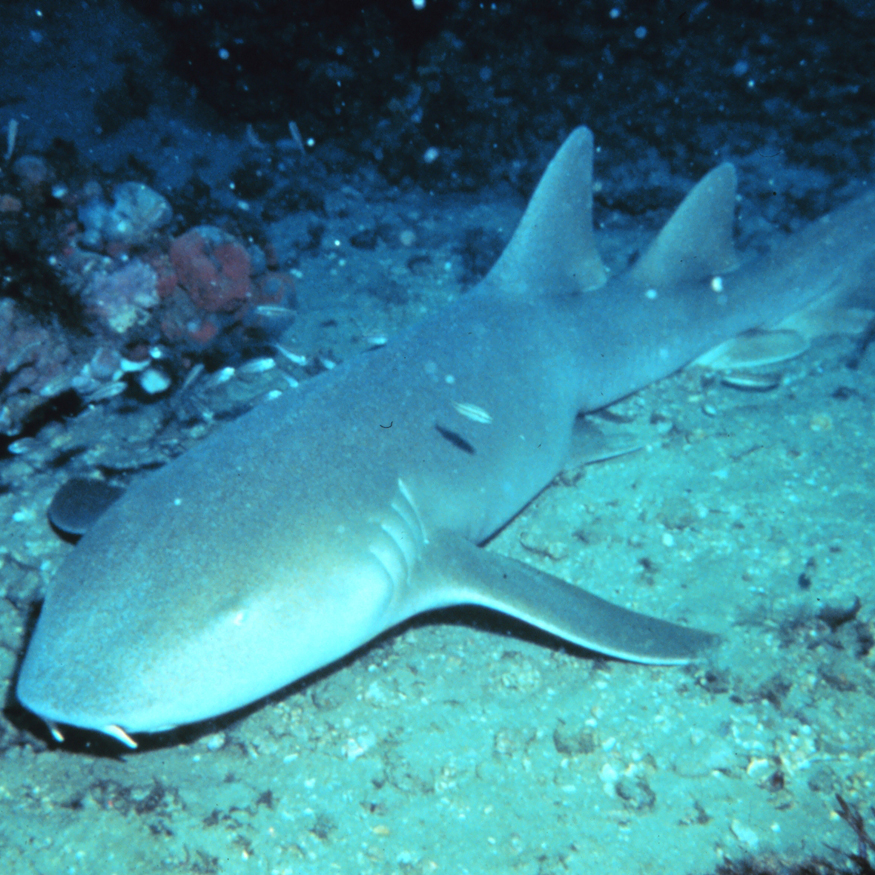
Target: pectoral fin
466, 574
80, 502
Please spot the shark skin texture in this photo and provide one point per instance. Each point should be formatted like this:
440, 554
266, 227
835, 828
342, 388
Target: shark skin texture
318, 520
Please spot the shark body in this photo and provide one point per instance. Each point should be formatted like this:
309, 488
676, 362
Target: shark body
320, 519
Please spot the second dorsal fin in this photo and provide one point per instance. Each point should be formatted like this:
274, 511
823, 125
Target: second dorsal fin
696, 242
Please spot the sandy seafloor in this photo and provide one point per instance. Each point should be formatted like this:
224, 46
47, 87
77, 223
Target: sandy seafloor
463, 742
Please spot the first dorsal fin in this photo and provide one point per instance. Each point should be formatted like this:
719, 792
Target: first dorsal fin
696, 242
552, 249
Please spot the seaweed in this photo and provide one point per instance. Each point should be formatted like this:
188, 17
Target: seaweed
857, 863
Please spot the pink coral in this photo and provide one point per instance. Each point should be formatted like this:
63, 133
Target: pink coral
123, 298
33, 366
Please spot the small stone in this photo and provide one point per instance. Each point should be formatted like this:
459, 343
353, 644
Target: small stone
748, 838
154, 381
573, 742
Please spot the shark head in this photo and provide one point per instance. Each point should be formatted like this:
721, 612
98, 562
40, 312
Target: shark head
120, 678
165, 614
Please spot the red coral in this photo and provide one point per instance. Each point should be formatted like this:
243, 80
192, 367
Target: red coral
214, 274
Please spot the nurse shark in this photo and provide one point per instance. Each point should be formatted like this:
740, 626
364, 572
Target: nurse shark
318, 520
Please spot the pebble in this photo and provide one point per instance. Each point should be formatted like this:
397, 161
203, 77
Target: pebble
154, 381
